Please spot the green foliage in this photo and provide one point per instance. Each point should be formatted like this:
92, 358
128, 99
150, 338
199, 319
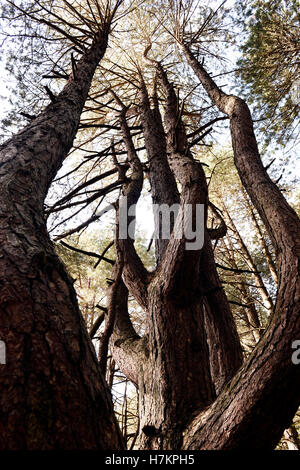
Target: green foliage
90, 281
270, 64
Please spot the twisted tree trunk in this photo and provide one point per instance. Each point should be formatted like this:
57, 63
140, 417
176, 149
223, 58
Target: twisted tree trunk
243, 415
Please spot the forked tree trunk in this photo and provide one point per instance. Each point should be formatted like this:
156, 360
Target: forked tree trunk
190, 350
52, 393
183, 361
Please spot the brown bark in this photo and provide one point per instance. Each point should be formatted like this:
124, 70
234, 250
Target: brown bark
182, 360
52, 393
128, 348
268, 377
163, 185
225, 355
135, 274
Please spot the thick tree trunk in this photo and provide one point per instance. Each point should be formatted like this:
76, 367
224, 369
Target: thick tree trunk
175, 380
269, 376
182, 361
52, 393
225, 354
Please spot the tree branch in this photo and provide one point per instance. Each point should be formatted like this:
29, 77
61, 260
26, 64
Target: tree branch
88, 253
135, 275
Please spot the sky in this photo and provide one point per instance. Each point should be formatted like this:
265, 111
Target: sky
5, 78
144, 207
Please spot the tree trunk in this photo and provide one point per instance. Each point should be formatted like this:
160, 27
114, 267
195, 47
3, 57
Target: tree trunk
182, 361
163, 185
52, 393
269, 376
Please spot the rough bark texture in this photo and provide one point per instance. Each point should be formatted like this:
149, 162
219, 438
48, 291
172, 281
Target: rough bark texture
268, 377
163, 185
128, 349
182, 361
225, 355
52, 393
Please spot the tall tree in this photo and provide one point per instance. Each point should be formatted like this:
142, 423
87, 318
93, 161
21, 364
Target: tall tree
52, 393
283, 226
259, 381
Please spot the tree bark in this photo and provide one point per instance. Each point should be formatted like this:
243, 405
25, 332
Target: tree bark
269, 376
225, 354
52, 393
177, 366
163, 185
